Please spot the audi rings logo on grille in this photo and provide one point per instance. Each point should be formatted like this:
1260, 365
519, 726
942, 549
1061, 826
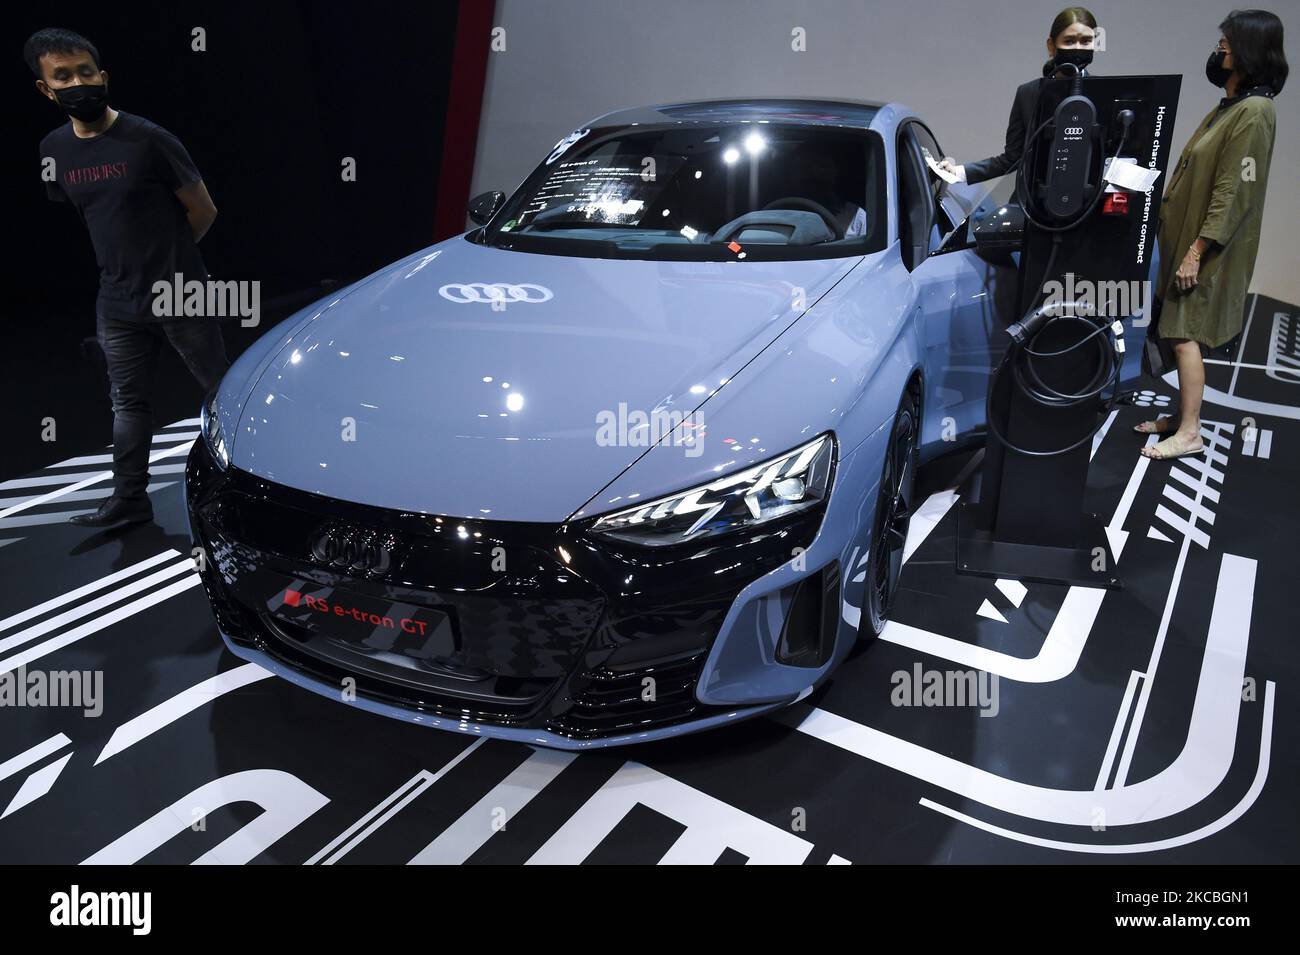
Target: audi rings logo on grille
490, 293
355, 551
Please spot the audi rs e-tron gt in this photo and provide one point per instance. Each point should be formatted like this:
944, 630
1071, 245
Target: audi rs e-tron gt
633, 458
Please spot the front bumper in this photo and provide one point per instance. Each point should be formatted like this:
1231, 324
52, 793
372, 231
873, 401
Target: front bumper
543, 634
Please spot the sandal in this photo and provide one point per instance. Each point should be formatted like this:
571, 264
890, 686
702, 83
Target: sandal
1157, 455
1147, 427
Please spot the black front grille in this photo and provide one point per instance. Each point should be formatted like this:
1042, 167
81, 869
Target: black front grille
528, 621
611, 701
563, 638
506, 702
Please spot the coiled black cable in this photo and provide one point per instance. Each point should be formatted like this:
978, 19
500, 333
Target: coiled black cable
1019, 358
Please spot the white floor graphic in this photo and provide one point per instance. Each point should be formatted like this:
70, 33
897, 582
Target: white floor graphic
710, 826
1212, 732
71, 484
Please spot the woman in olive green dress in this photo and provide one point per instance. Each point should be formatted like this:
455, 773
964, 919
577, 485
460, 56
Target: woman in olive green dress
1210, 218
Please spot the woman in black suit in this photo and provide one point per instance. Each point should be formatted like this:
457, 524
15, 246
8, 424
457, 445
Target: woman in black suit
1072, 39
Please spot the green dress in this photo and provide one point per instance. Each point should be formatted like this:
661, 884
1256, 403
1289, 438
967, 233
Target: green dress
1216, 191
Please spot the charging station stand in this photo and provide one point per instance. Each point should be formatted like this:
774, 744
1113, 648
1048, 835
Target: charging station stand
1030, 523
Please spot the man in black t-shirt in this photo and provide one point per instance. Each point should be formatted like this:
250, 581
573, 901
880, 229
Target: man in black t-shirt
146, 207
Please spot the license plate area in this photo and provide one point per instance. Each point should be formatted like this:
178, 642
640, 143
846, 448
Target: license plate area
392, 634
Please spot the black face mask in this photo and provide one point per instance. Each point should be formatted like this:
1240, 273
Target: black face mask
1215, 71
84, 102
1077, 56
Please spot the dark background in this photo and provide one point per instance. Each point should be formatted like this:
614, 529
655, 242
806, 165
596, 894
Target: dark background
285, 90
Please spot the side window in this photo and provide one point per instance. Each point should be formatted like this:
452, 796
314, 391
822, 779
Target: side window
949, 212
915, 202
929, 150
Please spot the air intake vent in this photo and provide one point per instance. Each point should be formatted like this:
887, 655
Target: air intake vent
808, 635
611, 701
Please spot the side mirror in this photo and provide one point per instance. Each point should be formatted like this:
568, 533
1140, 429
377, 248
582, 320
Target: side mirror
999, 233
484, 206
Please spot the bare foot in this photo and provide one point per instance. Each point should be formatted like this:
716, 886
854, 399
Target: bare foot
1174, 446
1164, 425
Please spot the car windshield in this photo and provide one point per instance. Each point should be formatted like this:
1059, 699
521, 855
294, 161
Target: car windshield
736, 191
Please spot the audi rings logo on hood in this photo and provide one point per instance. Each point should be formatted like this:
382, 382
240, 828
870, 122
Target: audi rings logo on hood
488, 293
353, 550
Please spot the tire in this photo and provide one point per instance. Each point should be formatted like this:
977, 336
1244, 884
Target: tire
894, 506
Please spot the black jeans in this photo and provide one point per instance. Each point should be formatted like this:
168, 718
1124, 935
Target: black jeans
131, 349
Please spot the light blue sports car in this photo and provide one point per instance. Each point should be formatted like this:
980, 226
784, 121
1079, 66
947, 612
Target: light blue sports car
633, 459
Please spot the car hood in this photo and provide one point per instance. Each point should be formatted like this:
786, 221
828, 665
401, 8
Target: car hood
402, 394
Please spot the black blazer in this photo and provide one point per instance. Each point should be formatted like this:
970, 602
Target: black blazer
1022, 116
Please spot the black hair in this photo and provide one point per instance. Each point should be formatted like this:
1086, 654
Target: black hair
55, 40
1256, 40
1068, 18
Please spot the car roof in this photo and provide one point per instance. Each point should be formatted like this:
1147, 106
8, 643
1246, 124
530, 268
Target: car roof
824, 112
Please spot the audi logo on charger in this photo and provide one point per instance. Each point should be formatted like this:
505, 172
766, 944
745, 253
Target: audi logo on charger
1074, 130
487, 293
352, 550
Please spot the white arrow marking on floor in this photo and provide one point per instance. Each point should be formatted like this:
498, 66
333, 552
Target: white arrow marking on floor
1198, 770
1013, 590
1116, 536
107, 620
187, 701
90, 608
47, 747
36, 785
90, 588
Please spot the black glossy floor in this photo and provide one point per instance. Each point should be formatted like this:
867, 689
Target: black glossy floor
1165, 713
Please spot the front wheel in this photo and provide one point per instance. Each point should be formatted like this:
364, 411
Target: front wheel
894, 504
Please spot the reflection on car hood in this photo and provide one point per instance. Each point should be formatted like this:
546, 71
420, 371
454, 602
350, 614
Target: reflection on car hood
405, 395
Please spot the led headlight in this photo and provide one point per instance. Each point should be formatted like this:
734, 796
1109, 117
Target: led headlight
792, 482
210, 425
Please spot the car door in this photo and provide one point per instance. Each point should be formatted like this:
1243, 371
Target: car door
959, 325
